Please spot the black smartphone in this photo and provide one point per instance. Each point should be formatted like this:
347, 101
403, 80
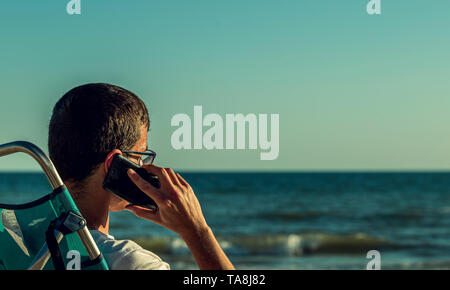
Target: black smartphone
119, 183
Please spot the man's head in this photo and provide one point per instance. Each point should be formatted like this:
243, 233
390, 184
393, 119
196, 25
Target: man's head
89, 125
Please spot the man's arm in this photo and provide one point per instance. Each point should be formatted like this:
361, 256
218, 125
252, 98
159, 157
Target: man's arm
207, 252
180, 211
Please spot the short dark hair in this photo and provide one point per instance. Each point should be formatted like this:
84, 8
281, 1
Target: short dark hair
90, 121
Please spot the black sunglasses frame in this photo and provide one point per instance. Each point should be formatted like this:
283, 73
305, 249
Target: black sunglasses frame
149, 153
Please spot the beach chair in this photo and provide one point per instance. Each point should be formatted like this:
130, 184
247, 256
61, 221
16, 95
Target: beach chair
49, 228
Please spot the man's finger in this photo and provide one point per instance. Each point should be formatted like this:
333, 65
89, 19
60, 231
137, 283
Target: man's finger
160, 172
144, 213
173, 177
146, 187
181, 179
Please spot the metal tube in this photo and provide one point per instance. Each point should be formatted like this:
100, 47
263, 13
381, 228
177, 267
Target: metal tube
32, 150
89, 243
55, 181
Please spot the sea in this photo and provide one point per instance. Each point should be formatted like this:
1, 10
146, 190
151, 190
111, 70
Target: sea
298, 220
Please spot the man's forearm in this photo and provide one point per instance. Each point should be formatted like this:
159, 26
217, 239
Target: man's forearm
206, 250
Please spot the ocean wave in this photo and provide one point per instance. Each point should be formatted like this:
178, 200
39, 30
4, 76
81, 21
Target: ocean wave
284, 245
444, 210
292, 216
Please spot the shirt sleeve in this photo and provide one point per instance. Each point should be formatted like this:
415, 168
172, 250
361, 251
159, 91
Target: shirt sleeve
126, 254
140, 259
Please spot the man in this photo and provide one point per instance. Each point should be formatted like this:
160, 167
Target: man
92, 123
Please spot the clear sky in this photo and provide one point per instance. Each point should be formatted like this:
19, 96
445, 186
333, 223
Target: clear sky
354, 92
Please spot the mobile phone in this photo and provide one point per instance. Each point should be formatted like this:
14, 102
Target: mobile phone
119, 183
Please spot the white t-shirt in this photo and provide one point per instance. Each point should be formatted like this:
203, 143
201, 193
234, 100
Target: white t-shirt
126, 254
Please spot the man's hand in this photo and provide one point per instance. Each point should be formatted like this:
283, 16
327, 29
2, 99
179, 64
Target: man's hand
178, 207
179, 211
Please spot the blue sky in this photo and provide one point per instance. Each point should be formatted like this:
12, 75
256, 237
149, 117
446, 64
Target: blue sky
354, 92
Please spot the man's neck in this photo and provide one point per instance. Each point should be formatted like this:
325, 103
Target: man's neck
96, 218
93, 205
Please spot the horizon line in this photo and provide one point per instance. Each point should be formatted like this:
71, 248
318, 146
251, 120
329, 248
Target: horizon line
274, 171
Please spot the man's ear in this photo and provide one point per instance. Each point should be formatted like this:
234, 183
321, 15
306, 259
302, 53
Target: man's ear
109, 159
